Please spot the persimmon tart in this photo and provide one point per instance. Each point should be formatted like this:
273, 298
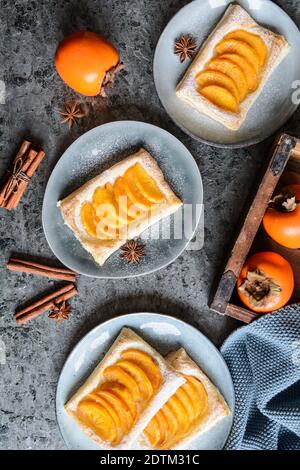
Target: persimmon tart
123, 393
118, 205
231, 68
193, 409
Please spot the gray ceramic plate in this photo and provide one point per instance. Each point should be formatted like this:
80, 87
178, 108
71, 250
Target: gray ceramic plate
274, 105
164, 333
98, 150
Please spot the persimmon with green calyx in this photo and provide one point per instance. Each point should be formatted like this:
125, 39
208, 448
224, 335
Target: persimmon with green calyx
83, 59
266, 282
282, 218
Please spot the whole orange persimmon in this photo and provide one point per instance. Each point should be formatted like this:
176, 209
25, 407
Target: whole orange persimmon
266, 282
282, 219
82, 60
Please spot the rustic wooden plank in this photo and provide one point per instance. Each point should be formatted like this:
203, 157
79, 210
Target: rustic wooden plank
280, 154
258, 207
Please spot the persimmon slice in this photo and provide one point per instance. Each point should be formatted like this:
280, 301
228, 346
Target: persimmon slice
123, 394
152, 432
133, 191
145, 362
125, 199
146, 184
139, 376
252, 40
233, 71
119, 407
116, 373
186, 402
112, 412
247, 68
220, 97
180, 412
88, 218
107, 215
172, 421
194, 397
241, 48
98, 418
163, 427
198, 386
120, 192
104, 197
214, 77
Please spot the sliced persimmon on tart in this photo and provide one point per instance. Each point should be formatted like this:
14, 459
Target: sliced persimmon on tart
123, 393
218, 78
98, 420
240, 48
118, 205
193, 409
146, 363
248, 69
221, 97
120, 407
231, 68
233, 71
253, 40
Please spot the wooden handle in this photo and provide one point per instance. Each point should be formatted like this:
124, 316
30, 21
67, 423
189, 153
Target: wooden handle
241, 313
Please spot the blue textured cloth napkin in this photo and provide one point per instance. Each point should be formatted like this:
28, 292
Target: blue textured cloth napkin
264, 361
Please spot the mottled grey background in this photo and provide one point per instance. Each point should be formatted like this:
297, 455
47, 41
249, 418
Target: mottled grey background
35, 353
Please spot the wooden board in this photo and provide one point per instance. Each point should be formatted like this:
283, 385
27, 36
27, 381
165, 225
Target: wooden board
284, 162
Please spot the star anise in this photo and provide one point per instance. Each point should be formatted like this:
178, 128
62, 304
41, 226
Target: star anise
71, 113
109, 79
60, 312
133, 251
185, 47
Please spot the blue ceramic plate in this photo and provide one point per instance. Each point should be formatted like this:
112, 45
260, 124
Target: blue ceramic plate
98, 150
272, 108
164, 333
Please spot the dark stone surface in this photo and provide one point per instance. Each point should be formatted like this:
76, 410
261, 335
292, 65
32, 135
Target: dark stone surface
35, 354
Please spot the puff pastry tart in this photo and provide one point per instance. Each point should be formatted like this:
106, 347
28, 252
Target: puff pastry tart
192, 410
123, 393
118, 205
231, 68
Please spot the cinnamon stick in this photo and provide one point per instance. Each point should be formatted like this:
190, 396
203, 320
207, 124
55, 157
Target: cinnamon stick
22, 151
34, 163
32, 267
45, 298
45, 303
9, 200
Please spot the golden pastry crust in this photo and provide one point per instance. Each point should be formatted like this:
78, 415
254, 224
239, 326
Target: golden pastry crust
217, 408
234, 18
102, 249
171, 380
